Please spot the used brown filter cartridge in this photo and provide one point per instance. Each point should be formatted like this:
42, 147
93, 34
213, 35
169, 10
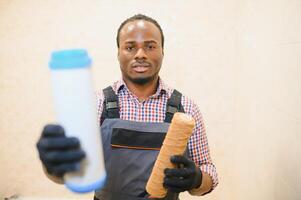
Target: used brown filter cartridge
175, 143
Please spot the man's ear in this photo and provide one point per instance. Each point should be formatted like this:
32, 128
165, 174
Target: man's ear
162, 51
118, 53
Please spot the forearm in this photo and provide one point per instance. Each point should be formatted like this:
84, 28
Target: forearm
53, 178
205, 187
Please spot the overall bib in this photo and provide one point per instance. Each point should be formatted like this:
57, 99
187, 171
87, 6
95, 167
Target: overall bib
131, 149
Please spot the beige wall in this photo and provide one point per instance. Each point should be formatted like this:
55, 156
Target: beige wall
240, 60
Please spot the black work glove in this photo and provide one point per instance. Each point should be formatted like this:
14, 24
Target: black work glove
58, 153
188, 176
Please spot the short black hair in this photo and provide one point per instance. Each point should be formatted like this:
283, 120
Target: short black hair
140, 17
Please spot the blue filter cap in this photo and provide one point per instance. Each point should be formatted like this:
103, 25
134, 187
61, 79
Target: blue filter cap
69, 59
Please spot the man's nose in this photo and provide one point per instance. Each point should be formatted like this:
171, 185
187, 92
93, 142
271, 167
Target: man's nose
140, 54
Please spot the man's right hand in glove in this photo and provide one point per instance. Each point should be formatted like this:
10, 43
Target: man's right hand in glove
58, 153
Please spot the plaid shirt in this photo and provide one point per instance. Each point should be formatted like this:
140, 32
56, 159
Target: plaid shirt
153, 110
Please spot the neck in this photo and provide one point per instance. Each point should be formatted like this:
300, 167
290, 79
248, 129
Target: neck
143, 91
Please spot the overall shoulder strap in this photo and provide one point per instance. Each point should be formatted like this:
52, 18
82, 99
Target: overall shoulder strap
173, 105
110, 104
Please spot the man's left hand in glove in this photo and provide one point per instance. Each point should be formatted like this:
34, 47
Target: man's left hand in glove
188, 176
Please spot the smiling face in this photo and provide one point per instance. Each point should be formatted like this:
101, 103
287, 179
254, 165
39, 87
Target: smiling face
140, 52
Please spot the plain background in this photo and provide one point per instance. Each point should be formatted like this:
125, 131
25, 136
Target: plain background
239, 60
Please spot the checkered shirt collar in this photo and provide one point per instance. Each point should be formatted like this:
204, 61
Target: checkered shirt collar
161, 89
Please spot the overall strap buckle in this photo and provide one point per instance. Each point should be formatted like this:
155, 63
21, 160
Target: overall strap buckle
110, 104
173, 105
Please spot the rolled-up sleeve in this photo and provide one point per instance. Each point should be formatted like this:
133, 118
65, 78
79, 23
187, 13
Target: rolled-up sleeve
198, 144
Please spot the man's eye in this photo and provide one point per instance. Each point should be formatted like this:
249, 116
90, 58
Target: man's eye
150, 47
129, 48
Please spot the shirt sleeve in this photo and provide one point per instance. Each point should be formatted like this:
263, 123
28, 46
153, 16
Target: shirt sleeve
198, 144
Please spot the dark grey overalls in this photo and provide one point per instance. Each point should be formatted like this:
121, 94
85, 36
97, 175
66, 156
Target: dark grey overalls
130, 149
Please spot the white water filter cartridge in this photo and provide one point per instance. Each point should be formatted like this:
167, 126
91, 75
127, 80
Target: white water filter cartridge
75, 105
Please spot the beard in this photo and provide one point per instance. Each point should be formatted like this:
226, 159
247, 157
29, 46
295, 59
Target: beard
142, 80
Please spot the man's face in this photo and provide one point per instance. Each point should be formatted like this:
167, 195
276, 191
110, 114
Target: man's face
140, 52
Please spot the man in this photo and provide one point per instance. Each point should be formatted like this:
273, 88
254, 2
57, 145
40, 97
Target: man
136, 107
